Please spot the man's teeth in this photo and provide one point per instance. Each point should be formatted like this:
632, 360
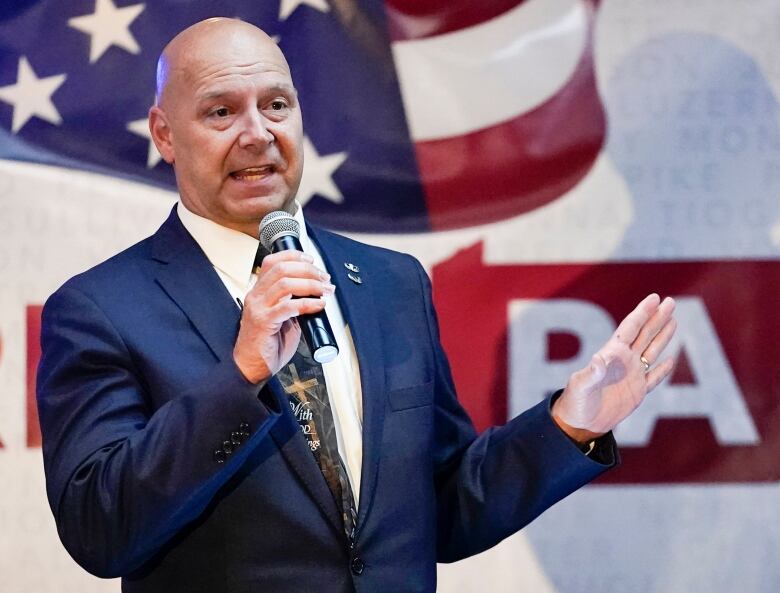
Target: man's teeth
253, 173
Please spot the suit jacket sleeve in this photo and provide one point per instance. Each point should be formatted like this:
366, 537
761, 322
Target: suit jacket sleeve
122, 478
491, 485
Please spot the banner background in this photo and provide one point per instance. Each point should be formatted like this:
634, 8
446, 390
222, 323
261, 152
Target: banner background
675, 191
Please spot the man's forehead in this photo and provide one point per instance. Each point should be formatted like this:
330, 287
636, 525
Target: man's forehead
231, 55
216, 45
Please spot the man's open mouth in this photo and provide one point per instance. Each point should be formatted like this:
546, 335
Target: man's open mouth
253, 173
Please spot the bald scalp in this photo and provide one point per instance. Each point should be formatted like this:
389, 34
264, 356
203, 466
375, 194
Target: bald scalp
204, 41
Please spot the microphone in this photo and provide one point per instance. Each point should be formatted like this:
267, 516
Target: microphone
280, 231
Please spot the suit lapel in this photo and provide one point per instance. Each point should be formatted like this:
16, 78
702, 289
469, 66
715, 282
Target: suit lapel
359, 305
189, 279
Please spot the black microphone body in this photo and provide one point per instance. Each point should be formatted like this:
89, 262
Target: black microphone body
315, 327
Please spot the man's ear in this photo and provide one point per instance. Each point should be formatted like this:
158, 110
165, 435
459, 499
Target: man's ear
162, 135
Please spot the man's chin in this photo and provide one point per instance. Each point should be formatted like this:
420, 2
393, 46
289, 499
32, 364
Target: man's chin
250, 211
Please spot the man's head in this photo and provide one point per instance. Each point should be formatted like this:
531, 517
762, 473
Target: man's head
227, 118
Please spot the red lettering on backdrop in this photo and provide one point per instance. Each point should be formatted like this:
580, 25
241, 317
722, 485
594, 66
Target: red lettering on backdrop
740, 298
33, 356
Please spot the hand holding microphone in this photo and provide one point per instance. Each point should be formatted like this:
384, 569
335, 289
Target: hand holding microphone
279, 231
288, 298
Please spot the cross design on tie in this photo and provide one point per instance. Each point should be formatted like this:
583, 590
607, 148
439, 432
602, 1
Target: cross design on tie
310, 405
301, 405
297, 386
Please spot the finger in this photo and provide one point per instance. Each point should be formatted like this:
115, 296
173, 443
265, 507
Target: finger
290, 329
658, 373
661, 340
290, 255
296, 287
290, 308
656, 323
289, 269
630, 327
290, 334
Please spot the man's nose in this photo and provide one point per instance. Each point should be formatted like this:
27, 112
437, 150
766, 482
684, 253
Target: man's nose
255, 132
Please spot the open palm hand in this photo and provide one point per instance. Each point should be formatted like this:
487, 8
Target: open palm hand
620, 374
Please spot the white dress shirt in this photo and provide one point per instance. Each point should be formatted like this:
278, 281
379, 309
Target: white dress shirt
232, 254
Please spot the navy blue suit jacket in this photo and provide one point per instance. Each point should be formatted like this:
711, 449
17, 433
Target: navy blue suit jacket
137, 388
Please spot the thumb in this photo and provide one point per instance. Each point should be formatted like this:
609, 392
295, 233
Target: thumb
290, 334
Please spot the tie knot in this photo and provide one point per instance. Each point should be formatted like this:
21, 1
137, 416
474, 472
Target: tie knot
259, 256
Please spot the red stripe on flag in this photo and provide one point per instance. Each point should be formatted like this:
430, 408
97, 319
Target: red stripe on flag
417, 19
519, 165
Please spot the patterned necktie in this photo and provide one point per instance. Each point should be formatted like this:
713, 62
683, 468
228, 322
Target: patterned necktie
304, 384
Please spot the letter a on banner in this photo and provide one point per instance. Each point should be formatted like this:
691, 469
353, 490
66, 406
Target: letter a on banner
714, 393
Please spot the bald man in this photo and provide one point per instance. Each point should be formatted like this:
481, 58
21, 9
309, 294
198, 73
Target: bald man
174, 455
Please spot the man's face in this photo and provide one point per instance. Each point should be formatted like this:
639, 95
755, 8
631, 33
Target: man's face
235, 130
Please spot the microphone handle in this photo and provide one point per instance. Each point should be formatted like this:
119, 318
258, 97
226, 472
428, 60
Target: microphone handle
315, 327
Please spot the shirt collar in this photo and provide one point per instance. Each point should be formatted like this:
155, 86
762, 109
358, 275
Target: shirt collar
306, 243
231, 252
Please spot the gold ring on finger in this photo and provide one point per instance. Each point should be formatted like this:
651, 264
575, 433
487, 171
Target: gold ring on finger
645, 362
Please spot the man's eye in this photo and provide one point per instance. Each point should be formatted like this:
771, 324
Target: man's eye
278, 105
221, 112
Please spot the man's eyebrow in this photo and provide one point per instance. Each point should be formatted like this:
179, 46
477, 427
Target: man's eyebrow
222, 93
283, 88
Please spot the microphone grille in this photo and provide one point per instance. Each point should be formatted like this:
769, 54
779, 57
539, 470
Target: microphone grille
277, 224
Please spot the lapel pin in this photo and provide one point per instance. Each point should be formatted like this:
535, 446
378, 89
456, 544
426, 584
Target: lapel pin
351, 267
355, 279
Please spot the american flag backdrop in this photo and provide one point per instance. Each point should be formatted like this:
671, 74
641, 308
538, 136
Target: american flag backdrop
77, 79
549, 162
